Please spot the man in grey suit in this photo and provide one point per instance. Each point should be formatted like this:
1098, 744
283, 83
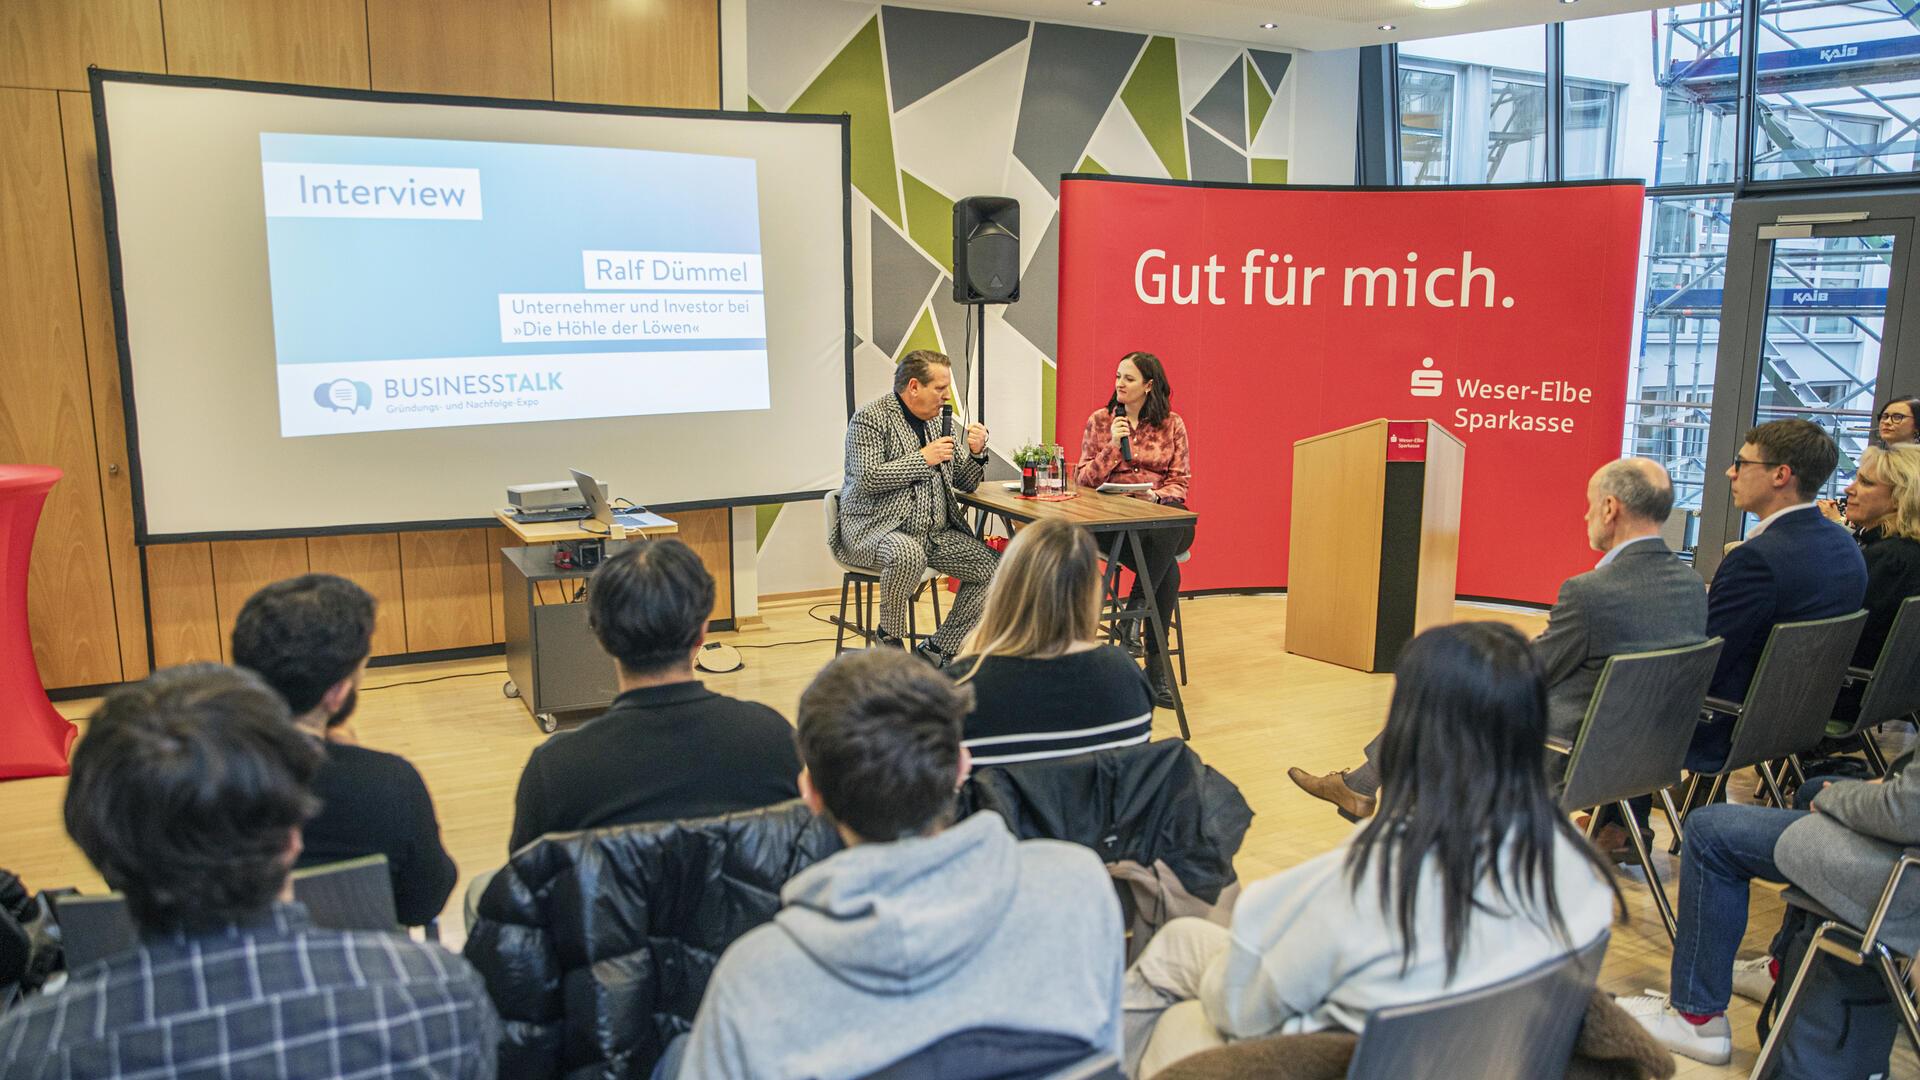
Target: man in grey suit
1640, 597
1841, 853
898, 511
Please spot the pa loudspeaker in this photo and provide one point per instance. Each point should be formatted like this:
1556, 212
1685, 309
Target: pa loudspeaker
986, 250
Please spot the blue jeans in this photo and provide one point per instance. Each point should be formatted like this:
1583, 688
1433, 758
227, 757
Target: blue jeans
1727, 847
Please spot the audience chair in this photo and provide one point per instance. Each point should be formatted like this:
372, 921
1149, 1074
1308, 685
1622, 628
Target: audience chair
1525, 1028
1634, 741
1788, 703
1873, 946
999, 1054
1520, 1029
1893, 686
356, 894
863, 582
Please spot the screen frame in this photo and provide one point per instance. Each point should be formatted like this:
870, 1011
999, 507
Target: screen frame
97, 79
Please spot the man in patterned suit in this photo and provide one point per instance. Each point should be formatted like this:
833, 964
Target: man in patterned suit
898, 512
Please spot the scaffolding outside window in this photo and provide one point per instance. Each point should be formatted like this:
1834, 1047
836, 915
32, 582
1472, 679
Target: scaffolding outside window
1656, 95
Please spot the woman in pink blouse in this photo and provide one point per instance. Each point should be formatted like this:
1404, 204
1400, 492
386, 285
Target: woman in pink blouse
1158, 439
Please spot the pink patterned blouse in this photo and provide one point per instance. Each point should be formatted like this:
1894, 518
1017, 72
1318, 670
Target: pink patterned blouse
1159, 457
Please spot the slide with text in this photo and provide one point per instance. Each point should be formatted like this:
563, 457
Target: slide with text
433, 283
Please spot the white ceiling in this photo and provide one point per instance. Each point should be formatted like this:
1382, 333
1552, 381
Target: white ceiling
1301, 24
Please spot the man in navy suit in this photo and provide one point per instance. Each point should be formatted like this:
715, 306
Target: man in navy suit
1794, 565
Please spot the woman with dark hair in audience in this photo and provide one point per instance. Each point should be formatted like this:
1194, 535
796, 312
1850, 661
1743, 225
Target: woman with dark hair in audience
1043, 684
1896, 424
1466, 875
1139, 411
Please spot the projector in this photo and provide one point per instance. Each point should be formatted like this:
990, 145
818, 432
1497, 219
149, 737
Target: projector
554, 495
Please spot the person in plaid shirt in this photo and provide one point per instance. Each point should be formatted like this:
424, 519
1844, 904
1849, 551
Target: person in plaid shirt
188, 794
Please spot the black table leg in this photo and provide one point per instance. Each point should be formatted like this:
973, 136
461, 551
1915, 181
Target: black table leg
1157, 626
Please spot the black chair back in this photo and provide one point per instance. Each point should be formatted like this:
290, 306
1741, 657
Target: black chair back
1634, 739
1794, 689
1000, 1054
356, 894
1894, 690
1521, 1029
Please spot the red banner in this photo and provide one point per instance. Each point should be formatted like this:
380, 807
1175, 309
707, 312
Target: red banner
1504, 314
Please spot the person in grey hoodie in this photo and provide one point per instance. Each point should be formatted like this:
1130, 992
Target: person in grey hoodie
917, 930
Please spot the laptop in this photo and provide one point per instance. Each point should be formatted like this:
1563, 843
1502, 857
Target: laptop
598, 507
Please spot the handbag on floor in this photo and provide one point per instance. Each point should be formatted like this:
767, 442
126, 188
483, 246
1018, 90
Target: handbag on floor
1843, 1024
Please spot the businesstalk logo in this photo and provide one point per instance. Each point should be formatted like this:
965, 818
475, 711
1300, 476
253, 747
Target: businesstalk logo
350, 395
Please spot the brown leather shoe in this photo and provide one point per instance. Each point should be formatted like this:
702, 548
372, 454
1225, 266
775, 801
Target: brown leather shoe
1615, 843
1333, 788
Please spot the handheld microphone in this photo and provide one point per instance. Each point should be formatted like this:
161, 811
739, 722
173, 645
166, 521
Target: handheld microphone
946, 419
1126, 442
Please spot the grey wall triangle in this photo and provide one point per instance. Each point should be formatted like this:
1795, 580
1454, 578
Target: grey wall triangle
1273, 66
926, 50
1037, 315
1224, 108
1072, 74
1211, 160
901, 278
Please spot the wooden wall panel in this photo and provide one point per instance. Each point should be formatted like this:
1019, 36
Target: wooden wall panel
316, 42
103, 378
186, 624
47, 44
242, 567
710, 534
444, 572
46, 409
373, 562
615, 52
496, 48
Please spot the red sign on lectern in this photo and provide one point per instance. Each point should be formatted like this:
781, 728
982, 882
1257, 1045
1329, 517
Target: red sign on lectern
1406, 440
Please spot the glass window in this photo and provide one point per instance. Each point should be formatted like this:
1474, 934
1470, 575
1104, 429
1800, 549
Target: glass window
1696, 77
1516, 129
1612, 106
1473, 108
1589, 120
1670, 386
1426, 118
1839, 89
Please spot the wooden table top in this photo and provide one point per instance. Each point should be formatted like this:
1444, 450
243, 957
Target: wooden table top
552, 532
1097, 512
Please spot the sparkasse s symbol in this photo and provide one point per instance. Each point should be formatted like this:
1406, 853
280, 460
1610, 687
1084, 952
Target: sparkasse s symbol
1426, 382
350, 395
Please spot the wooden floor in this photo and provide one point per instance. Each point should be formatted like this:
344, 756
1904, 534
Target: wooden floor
1254, 710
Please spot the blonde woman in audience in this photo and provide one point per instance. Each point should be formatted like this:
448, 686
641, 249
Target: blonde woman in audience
1043, 685
1466, 875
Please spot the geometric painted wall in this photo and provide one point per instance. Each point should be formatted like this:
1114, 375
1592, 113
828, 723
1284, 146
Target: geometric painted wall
946, 105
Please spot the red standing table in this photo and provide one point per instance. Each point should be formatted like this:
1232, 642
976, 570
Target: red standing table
34, 738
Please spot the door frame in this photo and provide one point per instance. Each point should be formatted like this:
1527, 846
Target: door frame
1749, 275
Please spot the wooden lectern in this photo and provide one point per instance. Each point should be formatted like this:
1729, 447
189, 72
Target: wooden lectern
1375, 540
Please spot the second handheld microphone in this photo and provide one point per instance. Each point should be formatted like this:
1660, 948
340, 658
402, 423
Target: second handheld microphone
1126, 441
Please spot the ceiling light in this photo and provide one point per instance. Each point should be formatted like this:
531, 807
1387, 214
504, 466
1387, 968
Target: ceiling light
1096, 3
1387, 26
1269, 26
1439, 5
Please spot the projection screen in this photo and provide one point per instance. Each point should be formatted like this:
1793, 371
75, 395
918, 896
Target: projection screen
343, 310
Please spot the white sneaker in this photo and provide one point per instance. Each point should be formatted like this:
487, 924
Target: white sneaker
1710, 1043
1753, 979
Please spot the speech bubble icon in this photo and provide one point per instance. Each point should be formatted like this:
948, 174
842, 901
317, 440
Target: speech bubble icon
348, 394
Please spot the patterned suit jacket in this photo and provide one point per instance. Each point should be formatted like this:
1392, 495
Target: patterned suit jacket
890, 488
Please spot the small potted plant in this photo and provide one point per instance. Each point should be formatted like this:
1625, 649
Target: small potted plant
1030, 458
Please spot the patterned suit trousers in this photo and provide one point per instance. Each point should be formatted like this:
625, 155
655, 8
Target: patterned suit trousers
905, 559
